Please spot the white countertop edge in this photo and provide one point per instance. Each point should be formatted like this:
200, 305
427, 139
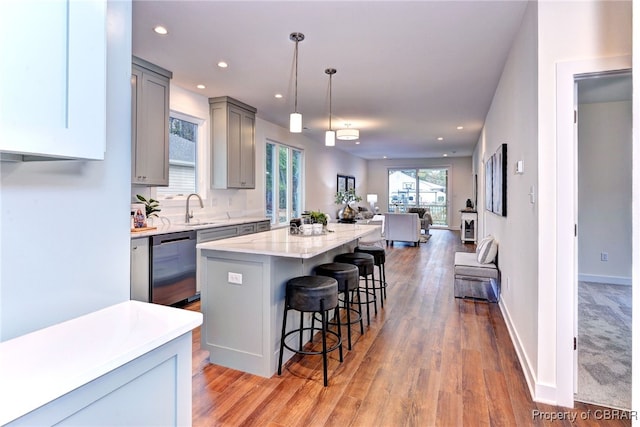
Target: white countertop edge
44, 365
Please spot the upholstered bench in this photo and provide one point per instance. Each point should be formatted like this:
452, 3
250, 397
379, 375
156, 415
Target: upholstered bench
476, 274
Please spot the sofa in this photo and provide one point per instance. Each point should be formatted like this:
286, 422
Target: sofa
402, 227
425, 218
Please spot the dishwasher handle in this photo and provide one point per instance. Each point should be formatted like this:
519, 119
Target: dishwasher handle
173, 237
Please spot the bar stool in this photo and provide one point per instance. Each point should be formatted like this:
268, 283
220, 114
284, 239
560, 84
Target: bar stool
311, 294
365, 263
378, 260
347, 276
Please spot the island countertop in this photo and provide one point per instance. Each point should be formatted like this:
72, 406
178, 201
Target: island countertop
279, 242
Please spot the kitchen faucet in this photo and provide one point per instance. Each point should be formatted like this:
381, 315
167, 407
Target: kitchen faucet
189, 215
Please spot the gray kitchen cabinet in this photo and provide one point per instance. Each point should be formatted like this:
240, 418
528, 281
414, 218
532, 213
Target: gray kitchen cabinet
233, 143
64, 46
263, 226
246, 229
140, 269
217, 233
149, 123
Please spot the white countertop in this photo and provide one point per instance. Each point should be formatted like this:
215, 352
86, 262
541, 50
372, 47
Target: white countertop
279, 242
197, 224
39, 367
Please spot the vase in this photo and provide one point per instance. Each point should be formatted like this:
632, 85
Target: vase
347, 213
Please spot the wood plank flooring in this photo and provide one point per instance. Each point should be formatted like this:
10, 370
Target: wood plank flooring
427, 359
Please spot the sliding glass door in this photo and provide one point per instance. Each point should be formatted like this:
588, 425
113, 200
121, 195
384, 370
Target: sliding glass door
420, 188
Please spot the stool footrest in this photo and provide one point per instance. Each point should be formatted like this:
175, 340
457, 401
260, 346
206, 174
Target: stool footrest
329, 349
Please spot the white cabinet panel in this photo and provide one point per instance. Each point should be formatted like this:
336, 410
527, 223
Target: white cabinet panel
53, 86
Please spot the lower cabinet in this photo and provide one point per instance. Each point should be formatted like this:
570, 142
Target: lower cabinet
140, 269
217, 233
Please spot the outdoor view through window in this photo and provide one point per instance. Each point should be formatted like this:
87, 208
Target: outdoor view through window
420, 188
183, 136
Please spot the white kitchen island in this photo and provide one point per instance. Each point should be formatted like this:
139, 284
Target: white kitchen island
242, 285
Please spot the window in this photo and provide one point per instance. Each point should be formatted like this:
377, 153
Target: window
183, 149
283, 182
423, 188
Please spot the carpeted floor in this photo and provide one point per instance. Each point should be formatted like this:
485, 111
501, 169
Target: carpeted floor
604, 345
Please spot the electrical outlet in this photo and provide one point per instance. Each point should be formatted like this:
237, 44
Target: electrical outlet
604, 256
235, 278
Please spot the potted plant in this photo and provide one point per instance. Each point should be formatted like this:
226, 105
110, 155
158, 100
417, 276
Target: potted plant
318, 217
152, 206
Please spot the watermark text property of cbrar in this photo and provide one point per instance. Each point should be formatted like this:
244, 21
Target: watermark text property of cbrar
596, 414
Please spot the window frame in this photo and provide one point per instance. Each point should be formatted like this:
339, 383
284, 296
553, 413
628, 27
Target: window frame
202, 171
275, 178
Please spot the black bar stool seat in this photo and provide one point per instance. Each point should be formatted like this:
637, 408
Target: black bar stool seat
365, 264
379, 257
348, 277
311, 294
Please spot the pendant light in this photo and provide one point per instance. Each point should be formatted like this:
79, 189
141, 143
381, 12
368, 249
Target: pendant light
330, 135
295, 119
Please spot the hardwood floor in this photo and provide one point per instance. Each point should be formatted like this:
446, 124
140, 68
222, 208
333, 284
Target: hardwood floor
427, 359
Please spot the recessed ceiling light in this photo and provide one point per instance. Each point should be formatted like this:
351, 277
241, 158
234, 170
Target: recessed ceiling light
445, 155
278, 95
159, 29
460, 127
357, 142
384, 157
222, 64
201, 87
440, 138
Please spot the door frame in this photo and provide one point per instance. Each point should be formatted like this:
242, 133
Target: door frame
566, 214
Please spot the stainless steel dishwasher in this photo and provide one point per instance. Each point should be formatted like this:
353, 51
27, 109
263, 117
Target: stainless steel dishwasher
173, 267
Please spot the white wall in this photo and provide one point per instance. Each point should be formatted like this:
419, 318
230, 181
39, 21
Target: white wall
322, 164
604, 191
64, 228
460, 181
512, 120
568, 31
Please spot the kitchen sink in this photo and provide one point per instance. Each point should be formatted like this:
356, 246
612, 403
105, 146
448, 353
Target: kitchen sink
197, 224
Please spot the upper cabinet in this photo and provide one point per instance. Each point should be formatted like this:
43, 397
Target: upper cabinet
53, 86
233, 129
149, 123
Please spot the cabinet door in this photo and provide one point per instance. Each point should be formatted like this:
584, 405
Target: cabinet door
140, 269
234, 147
150, 146
248, 150
53, 86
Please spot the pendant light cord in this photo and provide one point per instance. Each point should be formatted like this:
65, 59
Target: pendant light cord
295, 105
330, 77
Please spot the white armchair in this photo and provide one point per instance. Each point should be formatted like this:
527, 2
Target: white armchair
403, 227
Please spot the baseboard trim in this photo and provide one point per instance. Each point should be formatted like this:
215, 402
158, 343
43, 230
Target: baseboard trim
610, 280
539, 392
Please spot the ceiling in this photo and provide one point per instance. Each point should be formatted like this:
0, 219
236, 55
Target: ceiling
407, 72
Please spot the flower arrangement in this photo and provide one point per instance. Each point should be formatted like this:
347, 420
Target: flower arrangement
346, 197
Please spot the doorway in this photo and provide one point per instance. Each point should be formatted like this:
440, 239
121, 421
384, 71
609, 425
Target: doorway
421, 188
604, 245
